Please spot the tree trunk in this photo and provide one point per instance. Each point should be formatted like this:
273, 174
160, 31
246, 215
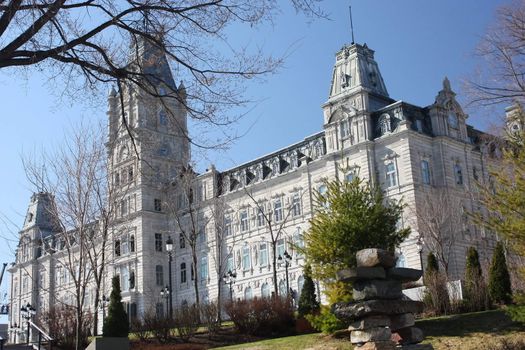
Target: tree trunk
195, 275
274, 264
219, 293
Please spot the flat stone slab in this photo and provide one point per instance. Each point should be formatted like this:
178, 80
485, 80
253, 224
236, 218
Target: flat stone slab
372, 334
415, 347
378, 345
409, 335
401, 321
404, 274
370, 322
375, 257
358, 273
349, 312
377, 289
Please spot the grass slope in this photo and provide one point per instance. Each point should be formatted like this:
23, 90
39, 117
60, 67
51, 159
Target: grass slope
466, 332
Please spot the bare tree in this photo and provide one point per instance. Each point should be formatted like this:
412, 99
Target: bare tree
274, 217
502, 79
440, 220
86, 43
76, 176
185, 211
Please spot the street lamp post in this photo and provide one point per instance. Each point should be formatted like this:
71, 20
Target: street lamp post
287, 259
165, 294
419, 244
103, 303
169, 249
27, 312
229, 279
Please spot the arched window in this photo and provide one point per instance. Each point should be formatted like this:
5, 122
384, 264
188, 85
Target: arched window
248, 293
282, 288
452, 120
183, 273
384, 124
265, 290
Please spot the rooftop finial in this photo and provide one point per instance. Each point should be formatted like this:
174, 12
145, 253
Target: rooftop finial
446, 84
351, 24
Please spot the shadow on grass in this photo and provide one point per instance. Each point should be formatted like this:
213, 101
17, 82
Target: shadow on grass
493, 321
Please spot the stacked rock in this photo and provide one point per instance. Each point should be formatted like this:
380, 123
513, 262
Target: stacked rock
379, 317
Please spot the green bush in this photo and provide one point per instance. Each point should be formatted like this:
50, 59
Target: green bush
325, 321
116, 324
517, 311
308, 303
476, 295
499, 279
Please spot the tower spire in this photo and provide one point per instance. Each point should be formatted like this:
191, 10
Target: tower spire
351, 23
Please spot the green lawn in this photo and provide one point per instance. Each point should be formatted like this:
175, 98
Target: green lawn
466, 332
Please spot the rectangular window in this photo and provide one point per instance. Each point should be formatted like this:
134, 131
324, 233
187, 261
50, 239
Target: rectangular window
277, 210
280, 247
117, 179
391, 176
425, 172
159, 275
260, 216
299, 242
246, 264
130, 174
227, 225
204, 268
244, 221
182, 241
345, 129
124, 245
158, 242
123, 207
124, 278
202, 235
157, 204
296, 204
458, 173
183, 273
263, 254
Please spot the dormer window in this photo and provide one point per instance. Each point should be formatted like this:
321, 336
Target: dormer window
452, 120
30, 217
384, 124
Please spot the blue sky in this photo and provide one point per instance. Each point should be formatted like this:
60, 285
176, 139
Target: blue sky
417, 43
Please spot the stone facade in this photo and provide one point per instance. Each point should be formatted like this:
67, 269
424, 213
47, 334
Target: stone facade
409, 151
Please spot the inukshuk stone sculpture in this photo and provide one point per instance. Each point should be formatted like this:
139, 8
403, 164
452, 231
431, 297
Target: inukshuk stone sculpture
379, 317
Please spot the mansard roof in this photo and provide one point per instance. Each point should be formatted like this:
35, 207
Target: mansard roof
274, 164
41, 213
